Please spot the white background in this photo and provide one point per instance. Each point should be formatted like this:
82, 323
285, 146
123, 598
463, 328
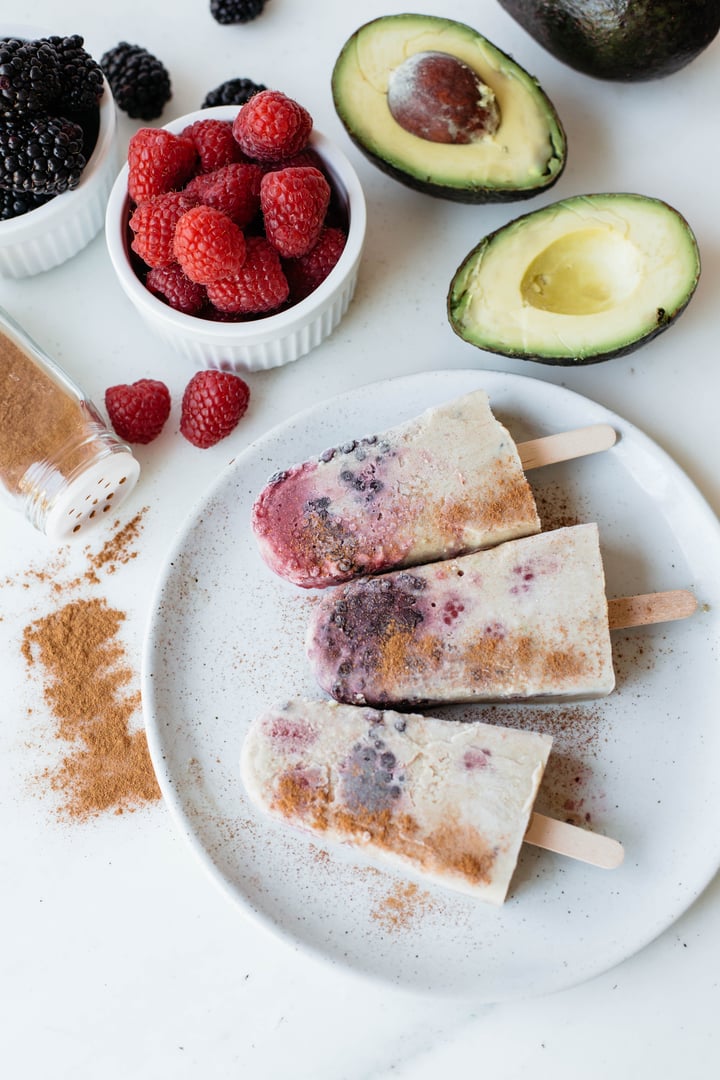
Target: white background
119, 957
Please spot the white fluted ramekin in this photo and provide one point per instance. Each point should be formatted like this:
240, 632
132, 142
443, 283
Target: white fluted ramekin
265, 342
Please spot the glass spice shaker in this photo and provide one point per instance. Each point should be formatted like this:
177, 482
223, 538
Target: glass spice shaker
59, 462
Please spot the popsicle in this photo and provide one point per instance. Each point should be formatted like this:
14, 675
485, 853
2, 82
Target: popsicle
441, 484
451, 802
527, 619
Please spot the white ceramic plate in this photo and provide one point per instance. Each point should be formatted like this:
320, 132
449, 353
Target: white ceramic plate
226, 639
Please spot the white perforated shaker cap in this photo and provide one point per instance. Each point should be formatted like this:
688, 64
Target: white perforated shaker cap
88, 498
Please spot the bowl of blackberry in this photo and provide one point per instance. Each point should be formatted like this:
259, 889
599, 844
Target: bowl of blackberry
58, 156
237, 232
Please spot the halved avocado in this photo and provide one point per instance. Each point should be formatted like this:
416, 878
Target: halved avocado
581, 280
627, 40
438, 107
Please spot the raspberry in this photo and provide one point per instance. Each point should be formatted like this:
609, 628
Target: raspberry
214, 142
260, 285
158, 161
234, 189
308, 156
212, 405
138, 412
153, 223
294, 203
306, 273
272, 126
208, 245
173, 286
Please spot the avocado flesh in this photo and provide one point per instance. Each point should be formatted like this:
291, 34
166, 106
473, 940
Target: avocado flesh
526, 153
627, 40
578, 281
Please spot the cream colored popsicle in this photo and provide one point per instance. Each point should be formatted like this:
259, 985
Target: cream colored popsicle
444, 483
525, 620
450, 801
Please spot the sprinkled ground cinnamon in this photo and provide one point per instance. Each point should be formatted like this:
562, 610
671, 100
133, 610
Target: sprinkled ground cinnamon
402, 906
556, 507
107, 765
569, 789
117, 549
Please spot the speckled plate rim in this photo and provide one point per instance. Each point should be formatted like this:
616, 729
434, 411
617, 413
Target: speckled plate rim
663, 479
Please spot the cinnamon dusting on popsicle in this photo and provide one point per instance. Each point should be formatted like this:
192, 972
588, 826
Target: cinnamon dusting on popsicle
507, 503
454, 846
403, 651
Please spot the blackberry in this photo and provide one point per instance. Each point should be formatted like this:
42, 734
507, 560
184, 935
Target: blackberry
42, 155
139, 81
81, 77
29, 75
15, 203
232, 92
235, 11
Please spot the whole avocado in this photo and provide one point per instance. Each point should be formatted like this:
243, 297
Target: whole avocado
625, 40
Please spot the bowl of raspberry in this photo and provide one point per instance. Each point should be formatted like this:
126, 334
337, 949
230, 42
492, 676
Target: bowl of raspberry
58, 149
237, 233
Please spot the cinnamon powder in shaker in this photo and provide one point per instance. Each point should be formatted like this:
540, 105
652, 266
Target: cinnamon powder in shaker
37, 415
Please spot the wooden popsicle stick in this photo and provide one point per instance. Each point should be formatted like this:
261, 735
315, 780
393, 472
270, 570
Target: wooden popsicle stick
646, 608
576, 843
566, 445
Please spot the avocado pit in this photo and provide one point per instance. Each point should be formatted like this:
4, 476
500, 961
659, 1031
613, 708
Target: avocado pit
437, 97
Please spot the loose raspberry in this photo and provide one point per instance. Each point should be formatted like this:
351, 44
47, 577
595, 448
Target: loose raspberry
294, 203
153, 223
234, 189
212, 405
260, 285
214, 142
158, 161
306, 273
173, 286
208, 245
138, 411
272, 126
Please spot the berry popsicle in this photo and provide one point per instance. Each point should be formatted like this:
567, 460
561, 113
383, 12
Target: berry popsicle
452, 802
441, 484
525, 620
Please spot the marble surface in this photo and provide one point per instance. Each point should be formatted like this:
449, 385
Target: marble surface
120, 957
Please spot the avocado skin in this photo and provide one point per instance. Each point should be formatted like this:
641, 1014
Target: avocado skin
665, 318
621, 40
467, 195
582, 361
